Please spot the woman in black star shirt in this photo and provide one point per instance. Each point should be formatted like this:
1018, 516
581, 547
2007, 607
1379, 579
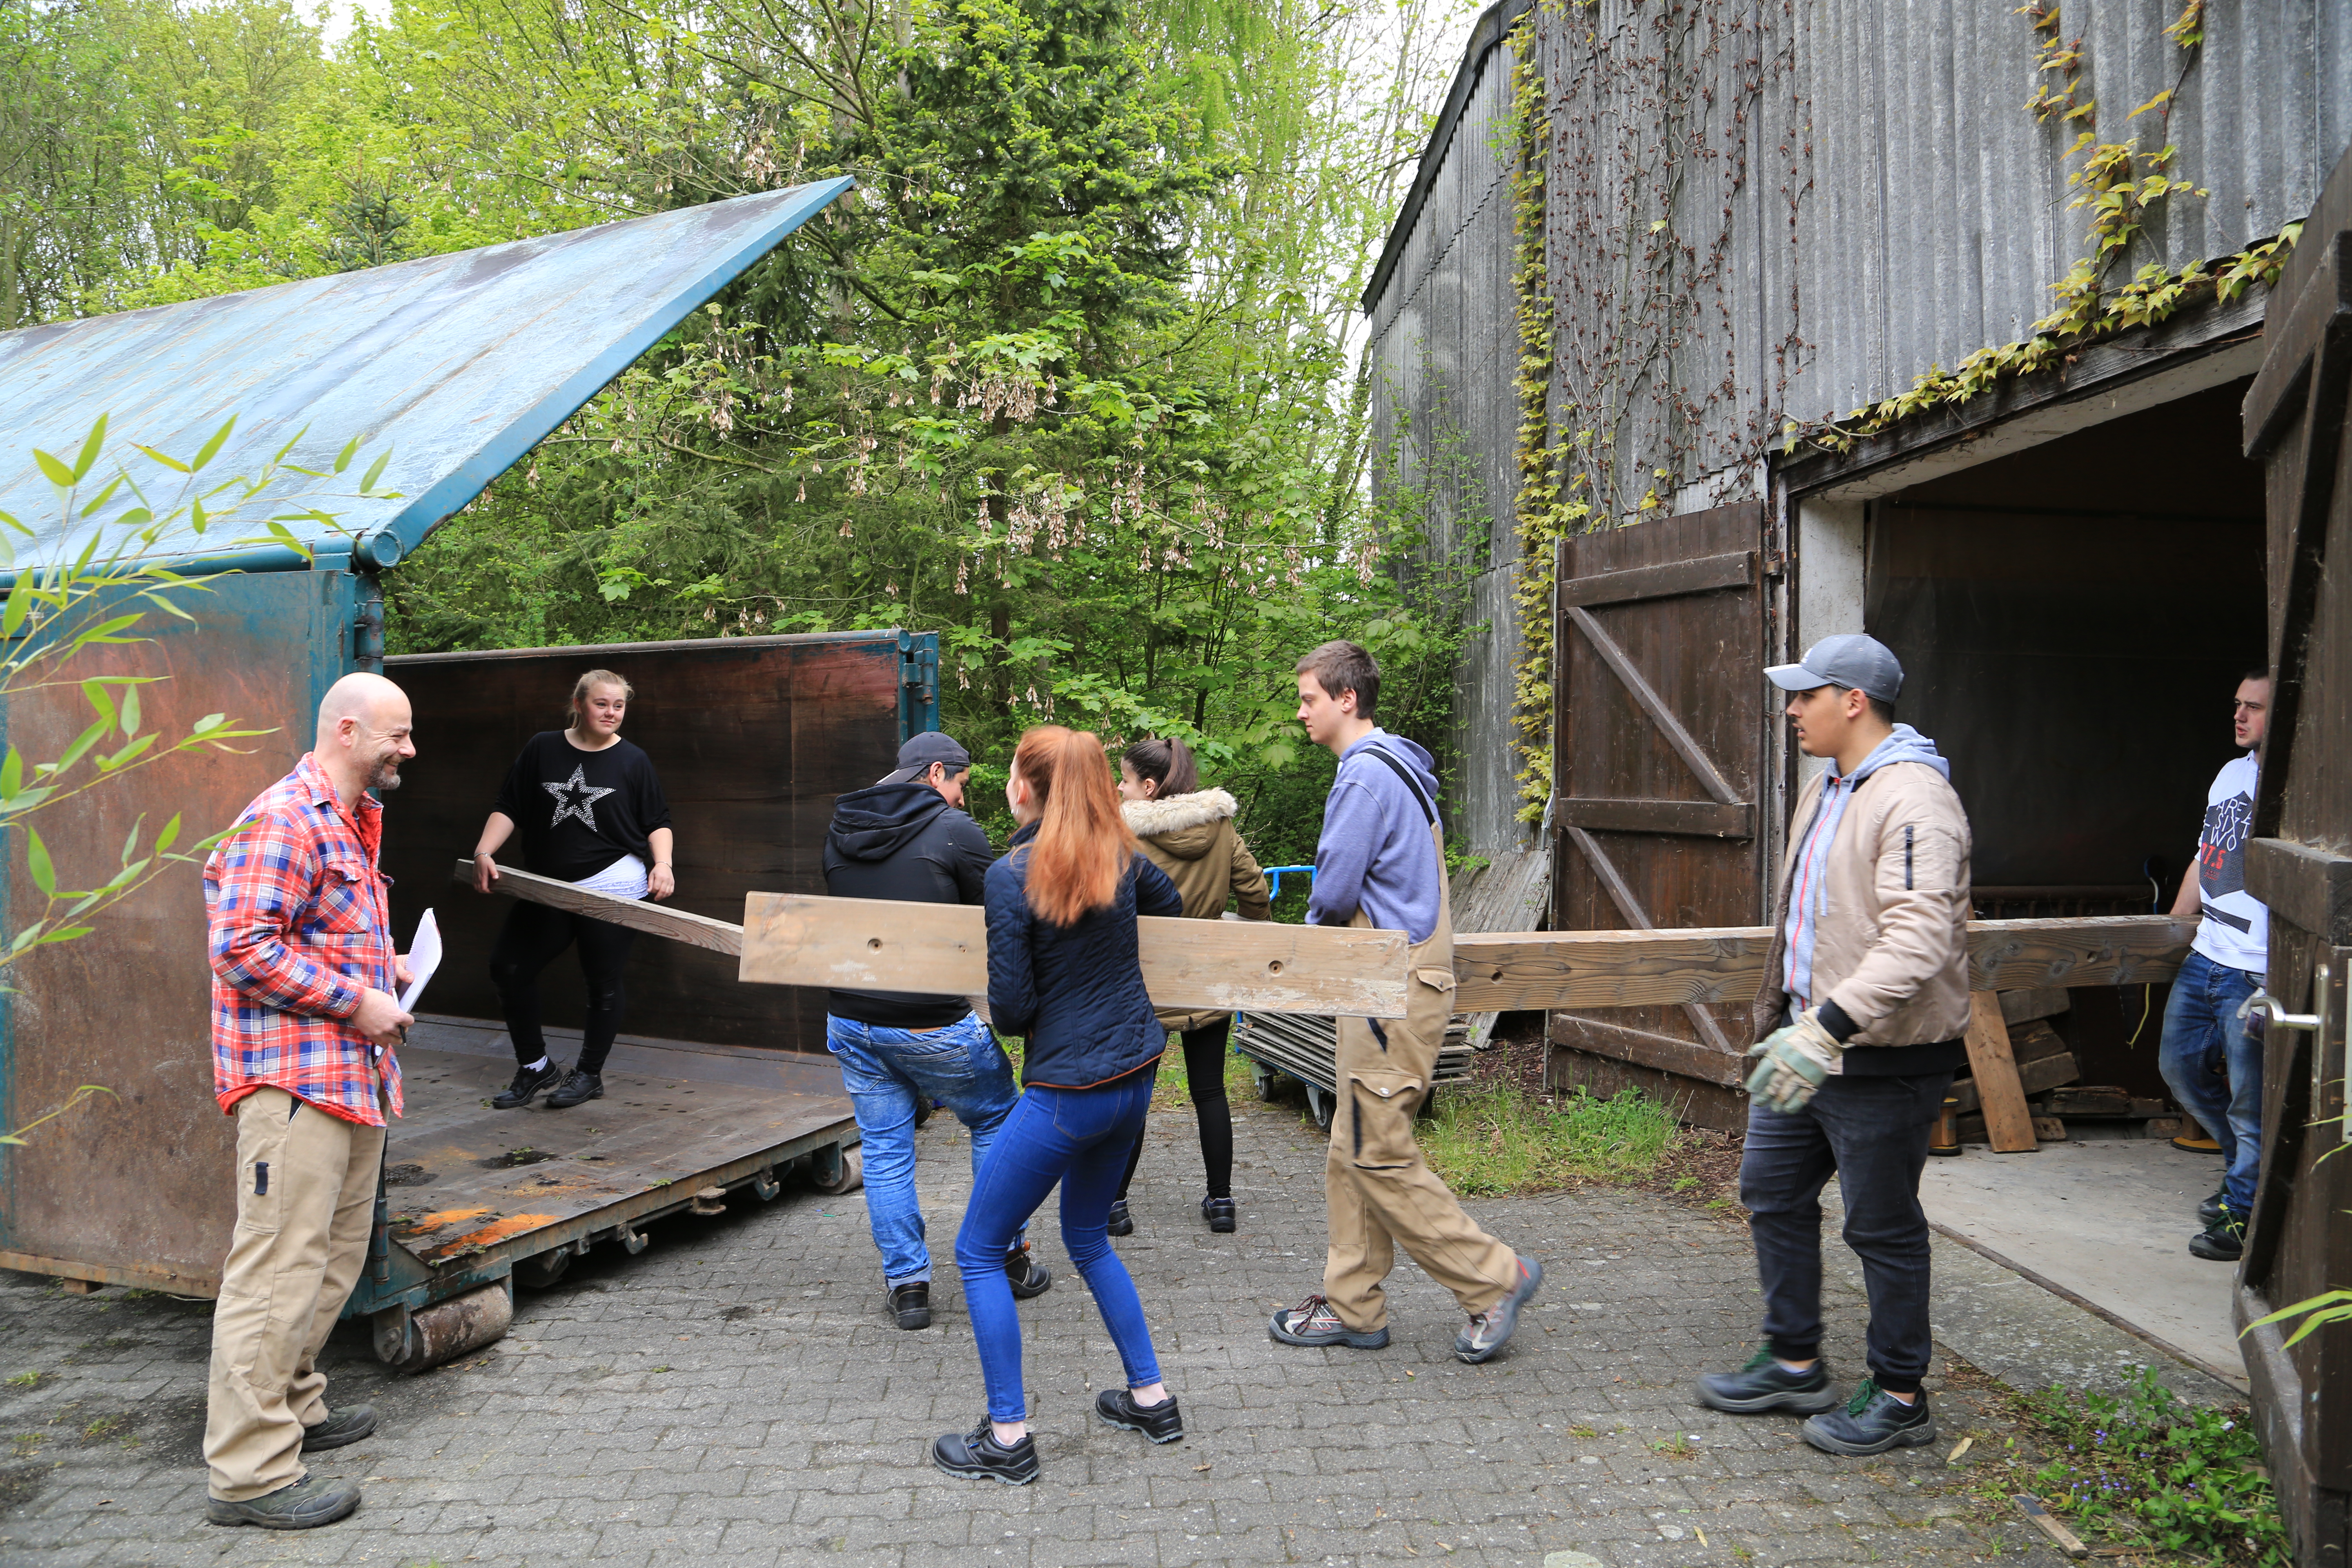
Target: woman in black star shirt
591, 812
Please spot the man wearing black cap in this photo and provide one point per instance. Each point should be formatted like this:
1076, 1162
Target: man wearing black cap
1860, 1024
907, 839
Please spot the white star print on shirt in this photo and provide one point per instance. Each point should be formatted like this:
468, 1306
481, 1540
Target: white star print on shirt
575, 797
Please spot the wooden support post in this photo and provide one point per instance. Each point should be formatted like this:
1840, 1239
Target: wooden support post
2009, 1123
82, 1286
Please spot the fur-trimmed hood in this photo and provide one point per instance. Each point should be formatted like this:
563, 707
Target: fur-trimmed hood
1185, 825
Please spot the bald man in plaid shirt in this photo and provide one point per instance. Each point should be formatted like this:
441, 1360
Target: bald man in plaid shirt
304, 1023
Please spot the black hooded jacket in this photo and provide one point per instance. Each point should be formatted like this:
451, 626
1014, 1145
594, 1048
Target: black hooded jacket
902, 841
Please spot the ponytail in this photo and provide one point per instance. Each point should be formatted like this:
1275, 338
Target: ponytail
1167, 762
1081, 851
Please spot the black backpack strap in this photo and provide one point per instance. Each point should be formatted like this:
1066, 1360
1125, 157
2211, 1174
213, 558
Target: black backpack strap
1428, 811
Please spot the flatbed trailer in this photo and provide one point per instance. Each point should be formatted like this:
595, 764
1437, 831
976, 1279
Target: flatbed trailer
475, 1200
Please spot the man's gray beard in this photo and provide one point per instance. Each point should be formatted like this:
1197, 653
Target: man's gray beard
386, 776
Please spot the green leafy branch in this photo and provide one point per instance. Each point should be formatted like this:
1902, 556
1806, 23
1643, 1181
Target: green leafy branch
73, 1100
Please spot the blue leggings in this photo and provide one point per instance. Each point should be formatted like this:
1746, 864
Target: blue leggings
1078, 1137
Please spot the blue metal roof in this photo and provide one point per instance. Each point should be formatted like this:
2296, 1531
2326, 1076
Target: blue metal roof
461, 363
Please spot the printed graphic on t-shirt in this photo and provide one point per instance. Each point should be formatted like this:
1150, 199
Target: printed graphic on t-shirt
576, 798
2222, 855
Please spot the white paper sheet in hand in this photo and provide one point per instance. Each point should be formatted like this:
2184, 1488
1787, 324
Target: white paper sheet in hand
423, 958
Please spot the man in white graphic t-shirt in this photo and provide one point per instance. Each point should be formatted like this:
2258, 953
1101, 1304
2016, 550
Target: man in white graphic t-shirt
2211, 1061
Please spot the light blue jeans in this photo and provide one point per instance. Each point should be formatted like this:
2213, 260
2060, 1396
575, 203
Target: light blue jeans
963, 1069
2215, 1069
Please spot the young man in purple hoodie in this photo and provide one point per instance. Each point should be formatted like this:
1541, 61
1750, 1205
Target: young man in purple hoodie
1380, 863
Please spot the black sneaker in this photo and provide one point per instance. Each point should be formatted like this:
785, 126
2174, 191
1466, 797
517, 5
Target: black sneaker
1765, 1384
912, 1304
307, 1504
577, 1089
350, 1425
1313, 1322
1871, 1422
1490, 1330
977, 1455
2211, 1212
528, 1082
1029, 1279
1220, 1213
2222, 1243
1161, 1422
1120, 1222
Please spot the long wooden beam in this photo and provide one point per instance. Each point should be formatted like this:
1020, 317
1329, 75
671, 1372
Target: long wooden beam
873, 944
637, 914
1507, 971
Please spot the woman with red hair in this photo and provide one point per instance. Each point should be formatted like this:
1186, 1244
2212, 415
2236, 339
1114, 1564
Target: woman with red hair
1062, 973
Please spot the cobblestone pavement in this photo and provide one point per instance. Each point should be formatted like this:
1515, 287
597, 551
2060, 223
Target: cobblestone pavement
735, 1395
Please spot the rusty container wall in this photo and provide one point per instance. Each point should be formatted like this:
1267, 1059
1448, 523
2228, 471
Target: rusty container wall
133, 1186
754, 738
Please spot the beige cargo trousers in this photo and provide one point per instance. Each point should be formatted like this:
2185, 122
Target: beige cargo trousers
1378, 1191
305, 1204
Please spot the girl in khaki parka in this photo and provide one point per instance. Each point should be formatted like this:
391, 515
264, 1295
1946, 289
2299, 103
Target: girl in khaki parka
1188, 832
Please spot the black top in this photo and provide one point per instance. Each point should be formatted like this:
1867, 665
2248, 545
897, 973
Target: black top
577, 811
903, 841
1076, 991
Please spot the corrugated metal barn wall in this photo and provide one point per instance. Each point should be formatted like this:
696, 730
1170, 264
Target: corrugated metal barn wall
1444, 351
1759, 211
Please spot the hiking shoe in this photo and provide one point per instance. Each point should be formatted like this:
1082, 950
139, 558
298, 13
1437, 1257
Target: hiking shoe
1490, 1330
912, 1304
577, 1089
979, 1456
307, 1504
2211, 1212
528, 1082
1120, 1222
1313, 1322
1029, 1279
1220, 1213
1871, 1422
2222, 1243
341, 1426
1161, 1422
1765, 1384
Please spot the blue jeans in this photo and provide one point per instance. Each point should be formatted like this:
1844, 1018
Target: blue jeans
963, 1068
1078, 1137
2215, 1069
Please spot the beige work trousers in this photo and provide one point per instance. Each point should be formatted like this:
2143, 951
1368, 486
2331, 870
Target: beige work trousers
301, 1240
1378, 1191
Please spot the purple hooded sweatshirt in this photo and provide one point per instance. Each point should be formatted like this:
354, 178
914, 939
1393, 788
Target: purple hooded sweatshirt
1375, 852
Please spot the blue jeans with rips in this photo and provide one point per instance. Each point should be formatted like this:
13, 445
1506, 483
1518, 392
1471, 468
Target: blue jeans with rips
2214, 1066
1078, 1137
963, 1069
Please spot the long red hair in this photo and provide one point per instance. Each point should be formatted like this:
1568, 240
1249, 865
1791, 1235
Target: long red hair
1083, 843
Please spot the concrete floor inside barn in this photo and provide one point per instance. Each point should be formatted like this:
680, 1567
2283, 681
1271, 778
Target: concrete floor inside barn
735, 1395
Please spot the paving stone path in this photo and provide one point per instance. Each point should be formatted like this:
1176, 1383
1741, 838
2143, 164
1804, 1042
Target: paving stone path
735, 1395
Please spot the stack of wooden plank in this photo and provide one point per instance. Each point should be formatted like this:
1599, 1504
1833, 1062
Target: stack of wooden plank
1305, 1046
2047, 1074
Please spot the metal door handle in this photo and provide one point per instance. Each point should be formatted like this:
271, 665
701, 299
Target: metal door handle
2264, 1002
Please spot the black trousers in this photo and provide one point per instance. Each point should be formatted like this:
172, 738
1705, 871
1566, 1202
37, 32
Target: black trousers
1873, 1133
533, 936
1204, 1073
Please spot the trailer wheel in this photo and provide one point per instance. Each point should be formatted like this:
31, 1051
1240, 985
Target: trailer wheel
846, 1177
544, 1271
1268, 1083
1323, 1105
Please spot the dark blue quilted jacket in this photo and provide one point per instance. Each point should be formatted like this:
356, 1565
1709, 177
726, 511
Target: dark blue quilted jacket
1076, 991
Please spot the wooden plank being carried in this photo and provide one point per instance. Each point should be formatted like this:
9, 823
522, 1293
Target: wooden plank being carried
877, 944
1507, 971
2009, 1123
637, 914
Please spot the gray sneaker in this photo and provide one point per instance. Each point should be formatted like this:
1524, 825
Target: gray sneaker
1490, 1330
346, 1426
307, 1504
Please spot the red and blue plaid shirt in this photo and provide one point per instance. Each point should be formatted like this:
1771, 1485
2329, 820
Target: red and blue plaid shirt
300, 927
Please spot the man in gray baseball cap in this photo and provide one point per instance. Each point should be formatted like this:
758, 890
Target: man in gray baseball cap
1859, 1025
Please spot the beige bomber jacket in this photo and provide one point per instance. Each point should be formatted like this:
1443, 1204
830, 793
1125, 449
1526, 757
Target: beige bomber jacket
1893, 946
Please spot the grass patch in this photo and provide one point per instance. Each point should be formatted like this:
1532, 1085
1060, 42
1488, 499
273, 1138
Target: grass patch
1498, 1139
2148, 1468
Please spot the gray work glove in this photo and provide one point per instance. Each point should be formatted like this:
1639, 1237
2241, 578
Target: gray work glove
1791, 1062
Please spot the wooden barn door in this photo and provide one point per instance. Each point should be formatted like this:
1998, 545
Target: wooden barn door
2300, 1243
1658, 778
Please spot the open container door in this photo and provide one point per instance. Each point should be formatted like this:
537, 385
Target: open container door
2300, 1243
